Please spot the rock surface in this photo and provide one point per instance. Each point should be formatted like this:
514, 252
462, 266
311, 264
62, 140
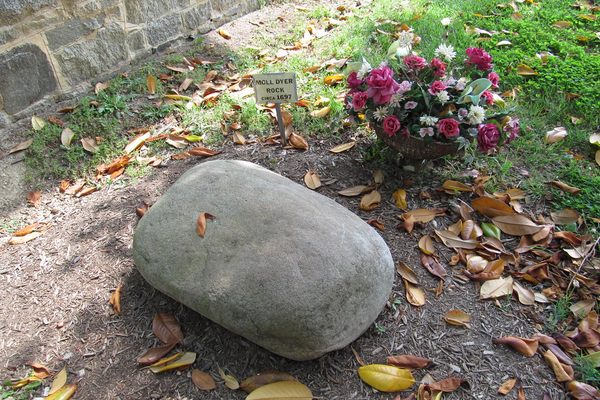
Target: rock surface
285, 267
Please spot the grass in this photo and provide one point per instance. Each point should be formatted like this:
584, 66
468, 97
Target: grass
586, 371
559, 312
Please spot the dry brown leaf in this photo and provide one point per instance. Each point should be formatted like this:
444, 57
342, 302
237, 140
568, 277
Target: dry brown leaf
409, 223
252, 383
516, 225
493, 270
563, 373
21, 146
399, 197
230, 381
507, 386
425, 215
525, 70
426, 245
476, 264
90, 145
408, 361
238, 138
458, 318
343, 147
115, 299
496, 288
282, 390
151, 84
359, 359
375, 223
556, 135
312, 180
452, 187
525, 295
582, 391
66, 137
201, 223
370, 201
378, 176
100, 86
166, 328
199, 151
491, 207
34, 198
185, 84
565, 188
177, 362
450, 239
565, 216
447, 385
582, 308
525, 346
25, 238
433, 266
407, 273
203, 380
224, 34
298, 142
86, 191
414, 294
355, 190
154, 354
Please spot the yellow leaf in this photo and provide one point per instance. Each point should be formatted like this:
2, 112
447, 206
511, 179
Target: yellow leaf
151, 84
426, 245
321, 113
252, 383
386, 378
184, 361
455, 186
525, 70
399, 197
178, 97
230, 380
414, 294
281, 391
333, 79
457, 318
37, 123
224, 34
370, 201
588, 17
59, 381
562, 24
342, 147
65, 393
312, 180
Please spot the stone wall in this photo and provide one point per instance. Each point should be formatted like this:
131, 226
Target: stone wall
52, 47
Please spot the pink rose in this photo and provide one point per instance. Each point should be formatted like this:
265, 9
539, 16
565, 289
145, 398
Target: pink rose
436, 87
381, 85
494, 78
489, 97
487, 137
415, 63
391, 125
359, 100
448, 127
439, 67
480, 58
512, 128
353, 81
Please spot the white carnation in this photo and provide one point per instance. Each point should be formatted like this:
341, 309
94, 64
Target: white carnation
428, 120
476, 115
445, 51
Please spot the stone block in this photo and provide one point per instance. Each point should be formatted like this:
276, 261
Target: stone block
7, 34
197, 19
26, 77
135, 41
140, 11
71, 31
12, 11
88, 59
4, 121
163, 30
225, 10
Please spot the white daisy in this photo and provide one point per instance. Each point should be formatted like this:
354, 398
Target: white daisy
428, 120
443, 96
476, 115
396, 99
380, 113
445, 51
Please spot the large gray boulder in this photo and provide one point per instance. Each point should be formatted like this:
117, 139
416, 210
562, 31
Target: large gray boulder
285, 267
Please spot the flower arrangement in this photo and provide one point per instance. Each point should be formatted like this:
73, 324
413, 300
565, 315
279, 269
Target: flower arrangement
444, 99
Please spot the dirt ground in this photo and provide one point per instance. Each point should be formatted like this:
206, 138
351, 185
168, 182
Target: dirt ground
54, 306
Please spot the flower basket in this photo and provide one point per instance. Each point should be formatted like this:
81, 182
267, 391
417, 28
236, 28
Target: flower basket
415, 148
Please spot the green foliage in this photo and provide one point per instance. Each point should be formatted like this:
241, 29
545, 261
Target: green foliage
586, 371
24, 393
254, 121
559, 312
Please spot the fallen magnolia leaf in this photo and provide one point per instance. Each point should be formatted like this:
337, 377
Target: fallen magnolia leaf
312, 180
525, 346
184, 360
409, 223
399, 197
343, 147
166, 328
21, 146
370, 201
565, 217
201, 223
433, 266
582, 391
525, 295
321, 113
476, 264
142, 209
386, 378
452, 187
224, 34
37, 123
452, 240
230, 381
203, 380
408, 361
66, 137
447, 385
516, 225
238, 138
377, 224
424, 215
490, 230
90, 145
496, 288
493, 270
65, 393
556, 135
136, 142
563, 373
25, 238
34, 198
155, 354
414, 294
491, 207
59, 381
298, 142
595, 139
562, 24
282, 390
525, 70
115, 299
407, 273
151, 83
504, 43
458, 318
378, 176
252, 383
355, 190
40, 370
199, 151
507, 386
100, 86
426, 245
582, 308
565, 188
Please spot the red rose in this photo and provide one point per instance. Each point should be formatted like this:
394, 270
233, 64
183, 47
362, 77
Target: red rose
436, 87
391, 125
353, 81
494, 78
489, 97
382, 85
487, 137
359, 100
439, 67
415, 63
448, 127
480, 58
